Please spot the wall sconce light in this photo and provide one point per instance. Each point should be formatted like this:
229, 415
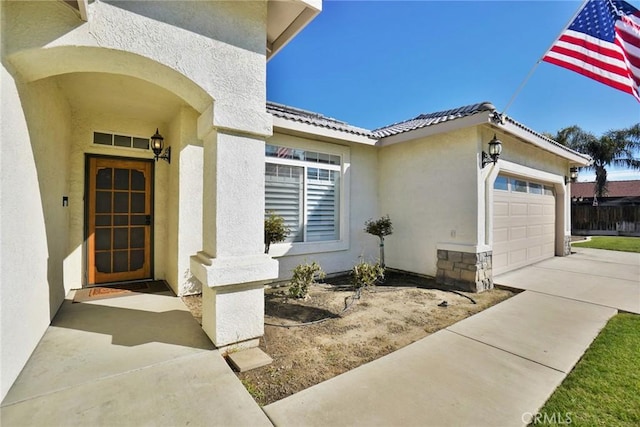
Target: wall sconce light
495, 149
573, 174
157, 143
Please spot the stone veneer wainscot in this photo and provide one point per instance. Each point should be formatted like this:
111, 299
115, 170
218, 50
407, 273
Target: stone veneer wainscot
465, 271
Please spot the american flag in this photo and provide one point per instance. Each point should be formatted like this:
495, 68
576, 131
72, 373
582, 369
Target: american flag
602, 43
284, 152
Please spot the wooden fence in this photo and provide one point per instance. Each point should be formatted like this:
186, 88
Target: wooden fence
605, 220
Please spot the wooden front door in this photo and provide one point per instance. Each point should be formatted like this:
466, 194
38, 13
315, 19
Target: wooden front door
119, 220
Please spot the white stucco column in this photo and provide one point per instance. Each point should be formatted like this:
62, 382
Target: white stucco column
232, 266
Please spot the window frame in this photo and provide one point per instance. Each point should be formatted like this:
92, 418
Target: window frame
306, 247
113, 145
541, 188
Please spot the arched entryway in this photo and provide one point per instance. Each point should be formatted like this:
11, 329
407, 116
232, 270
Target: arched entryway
104, 103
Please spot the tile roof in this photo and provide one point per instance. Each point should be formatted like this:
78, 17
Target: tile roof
616, 189
421, 121
424, 120
315, 119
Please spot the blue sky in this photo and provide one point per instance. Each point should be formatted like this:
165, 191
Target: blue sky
373, 63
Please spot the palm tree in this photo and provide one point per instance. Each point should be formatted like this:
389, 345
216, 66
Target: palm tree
614, 148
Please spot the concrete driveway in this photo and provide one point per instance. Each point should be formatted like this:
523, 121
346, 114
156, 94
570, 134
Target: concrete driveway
607, 278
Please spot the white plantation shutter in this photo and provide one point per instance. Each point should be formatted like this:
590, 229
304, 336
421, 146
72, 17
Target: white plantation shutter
322, 210
284, 196
303, 187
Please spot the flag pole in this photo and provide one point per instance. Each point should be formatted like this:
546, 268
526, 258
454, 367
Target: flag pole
526, 79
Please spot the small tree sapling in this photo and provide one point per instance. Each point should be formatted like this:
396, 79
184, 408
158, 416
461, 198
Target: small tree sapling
381, 227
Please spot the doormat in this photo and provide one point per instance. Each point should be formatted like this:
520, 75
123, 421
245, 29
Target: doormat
120, 290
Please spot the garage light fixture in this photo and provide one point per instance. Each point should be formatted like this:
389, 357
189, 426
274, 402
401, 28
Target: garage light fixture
573, 174
157, 143
495, 149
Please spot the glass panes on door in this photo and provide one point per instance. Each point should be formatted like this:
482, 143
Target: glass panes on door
120, 219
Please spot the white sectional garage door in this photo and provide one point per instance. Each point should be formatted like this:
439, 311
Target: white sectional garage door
523, 223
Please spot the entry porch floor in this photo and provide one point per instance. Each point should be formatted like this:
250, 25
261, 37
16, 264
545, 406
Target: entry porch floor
140, 359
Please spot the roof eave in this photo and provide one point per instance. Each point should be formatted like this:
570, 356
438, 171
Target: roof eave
575, 158
298, 128
444, 127
289, 17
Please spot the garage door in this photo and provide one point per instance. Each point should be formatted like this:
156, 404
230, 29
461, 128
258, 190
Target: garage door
523, 223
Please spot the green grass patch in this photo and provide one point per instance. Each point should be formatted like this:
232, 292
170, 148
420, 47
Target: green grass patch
612, 243
604, 387
253, 390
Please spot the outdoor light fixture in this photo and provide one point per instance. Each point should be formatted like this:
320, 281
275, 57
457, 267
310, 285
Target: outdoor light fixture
573, 174
495, 148
157, 143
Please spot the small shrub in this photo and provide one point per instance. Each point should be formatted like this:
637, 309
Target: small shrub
304, 275
366, 274
275, 230
381, 227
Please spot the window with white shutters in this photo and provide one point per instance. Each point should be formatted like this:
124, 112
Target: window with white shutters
304, 188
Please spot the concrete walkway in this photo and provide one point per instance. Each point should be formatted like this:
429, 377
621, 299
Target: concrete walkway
143, 360
128, 361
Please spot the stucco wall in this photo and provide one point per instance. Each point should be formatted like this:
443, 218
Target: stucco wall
362, 174
34, 231
211, 50
184, 203
428, 188
81, 142
200, 51
528, 155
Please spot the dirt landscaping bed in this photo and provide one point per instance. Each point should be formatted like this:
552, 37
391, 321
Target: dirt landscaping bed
384, 319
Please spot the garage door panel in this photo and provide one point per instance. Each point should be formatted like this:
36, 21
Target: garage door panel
518, 209
501, 209
534, 230
535, 209
500, 235
534, 252
517, 233
517, 256
550, 209
523, 230
500, 261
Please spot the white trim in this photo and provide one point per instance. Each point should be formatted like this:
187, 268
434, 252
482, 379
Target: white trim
575, 158
460, 247
82, 8
507, 167
311, 9
304, 248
